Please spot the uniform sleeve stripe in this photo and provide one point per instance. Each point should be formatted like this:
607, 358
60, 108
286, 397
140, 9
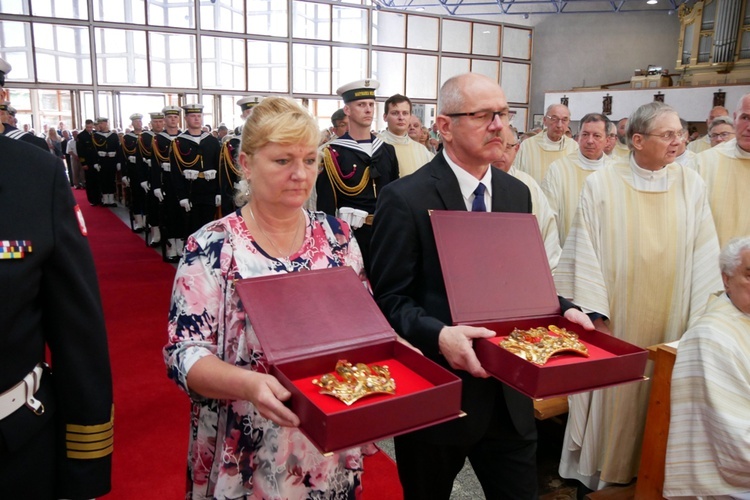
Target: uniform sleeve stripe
87, 438
92, 429
89, 455
99, 445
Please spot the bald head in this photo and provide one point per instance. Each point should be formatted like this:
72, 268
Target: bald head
716, 112
454, 92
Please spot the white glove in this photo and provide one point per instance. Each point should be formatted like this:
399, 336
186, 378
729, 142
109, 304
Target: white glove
147, 161
125, 181
112, 154
102, 153
118, 167
157, 193
98, 167
218, 200
185, 203
144, 185
165, 167
209, 175
131, 159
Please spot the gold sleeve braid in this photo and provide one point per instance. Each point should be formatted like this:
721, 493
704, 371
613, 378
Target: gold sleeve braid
88, 442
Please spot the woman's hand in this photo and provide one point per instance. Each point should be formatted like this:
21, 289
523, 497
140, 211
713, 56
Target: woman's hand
268, 395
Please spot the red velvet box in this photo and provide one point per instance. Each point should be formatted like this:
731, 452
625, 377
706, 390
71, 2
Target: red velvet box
497, 276
307, 321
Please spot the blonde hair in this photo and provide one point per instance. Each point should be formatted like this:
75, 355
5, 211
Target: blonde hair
277, 120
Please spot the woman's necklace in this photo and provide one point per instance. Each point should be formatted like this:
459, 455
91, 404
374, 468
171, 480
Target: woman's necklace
287, 263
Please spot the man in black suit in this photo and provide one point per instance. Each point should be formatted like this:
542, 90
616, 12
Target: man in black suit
498, 435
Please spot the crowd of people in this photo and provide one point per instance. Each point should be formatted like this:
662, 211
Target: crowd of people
632, 216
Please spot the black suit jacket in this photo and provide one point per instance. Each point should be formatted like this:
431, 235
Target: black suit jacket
408, 285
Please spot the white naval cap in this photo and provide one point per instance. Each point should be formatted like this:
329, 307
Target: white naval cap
192, 108
171, 110
356, 91
249, 102
156, 115
136, 116
102, 119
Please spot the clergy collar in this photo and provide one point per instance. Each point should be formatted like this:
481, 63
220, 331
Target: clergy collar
467, 182
649, 175
587, 164
395, 139
551, 145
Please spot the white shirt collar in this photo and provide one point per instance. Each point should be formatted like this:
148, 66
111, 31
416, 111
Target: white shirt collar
587, 164
468, 183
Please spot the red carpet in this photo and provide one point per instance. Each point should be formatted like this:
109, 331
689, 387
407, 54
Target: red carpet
151, 414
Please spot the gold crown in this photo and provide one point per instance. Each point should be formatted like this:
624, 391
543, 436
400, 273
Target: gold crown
356, 381
539, 344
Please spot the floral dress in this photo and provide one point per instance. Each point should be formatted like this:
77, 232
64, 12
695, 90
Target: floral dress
234, 452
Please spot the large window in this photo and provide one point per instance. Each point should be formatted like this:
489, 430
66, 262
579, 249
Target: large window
221, 50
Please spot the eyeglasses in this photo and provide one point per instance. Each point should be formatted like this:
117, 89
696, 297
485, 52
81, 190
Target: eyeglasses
723, 135
556, 119
508, 147
484, 117
666, 136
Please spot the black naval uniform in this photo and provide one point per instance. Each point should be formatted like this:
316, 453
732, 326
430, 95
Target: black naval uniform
87, 155
28, 137
170, 213
198, 154
50, 298
132, 170
107, 145
143, 168
343, 182
229, 173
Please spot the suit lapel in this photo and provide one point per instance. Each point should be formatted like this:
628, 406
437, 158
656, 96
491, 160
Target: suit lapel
500, 197
446, 184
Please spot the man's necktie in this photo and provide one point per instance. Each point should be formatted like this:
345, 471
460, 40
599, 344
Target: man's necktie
478, 203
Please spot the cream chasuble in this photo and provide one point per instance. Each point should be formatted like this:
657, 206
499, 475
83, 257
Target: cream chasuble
699, 145
544, 216
621, 151
537, 153
563, 184
726, 170
708, 451
410, 154
646, 259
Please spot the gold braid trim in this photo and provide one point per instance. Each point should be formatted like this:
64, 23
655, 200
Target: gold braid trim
157, 152
338, 183
125, 148
98, 144
182, 164
226, 159
145, 152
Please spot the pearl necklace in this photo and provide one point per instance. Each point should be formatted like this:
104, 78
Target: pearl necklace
285, 261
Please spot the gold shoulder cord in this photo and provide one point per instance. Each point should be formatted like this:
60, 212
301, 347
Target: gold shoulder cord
143, 149
182, 164
127, 151
98, 144
226, 159
337, 183
157, 154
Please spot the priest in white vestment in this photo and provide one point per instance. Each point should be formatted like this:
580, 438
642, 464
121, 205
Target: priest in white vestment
541, 209
685, 157
538, 152
641, 253
566, 176
726, 170
708, 450
411, 155
621, 149
704, 142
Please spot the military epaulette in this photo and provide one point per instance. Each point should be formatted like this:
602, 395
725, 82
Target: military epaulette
88, 442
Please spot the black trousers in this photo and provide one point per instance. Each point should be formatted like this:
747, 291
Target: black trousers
503, 460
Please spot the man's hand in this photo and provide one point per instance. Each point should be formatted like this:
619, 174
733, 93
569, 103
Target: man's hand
185, 203
217, 200
159, 194
144, 185
455, 343
578, 317
601, 325
125, 181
